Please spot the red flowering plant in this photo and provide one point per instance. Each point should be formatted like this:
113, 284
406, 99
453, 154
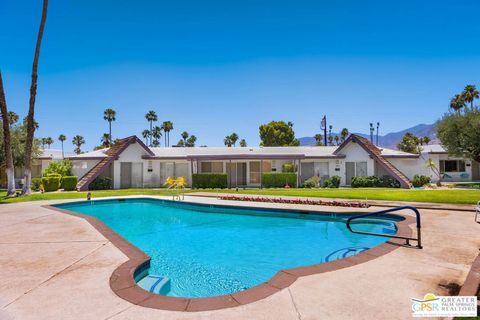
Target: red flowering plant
332, 203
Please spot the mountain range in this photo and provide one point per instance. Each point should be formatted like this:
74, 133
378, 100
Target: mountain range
389, 140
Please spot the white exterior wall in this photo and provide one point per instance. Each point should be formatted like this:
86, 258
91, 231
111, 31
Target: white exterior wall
133, 153
354, 153
81, 167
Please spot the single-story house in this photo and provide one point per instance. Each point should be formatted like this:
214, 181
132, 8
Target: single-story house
132, 164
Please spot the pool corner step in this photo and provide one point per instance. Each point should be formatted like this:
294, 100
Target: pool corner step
155, 284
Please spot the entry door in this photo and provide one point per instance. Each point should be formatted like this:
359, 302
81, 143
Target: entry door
125, 175
349, 172
475, 170
137, 175
307, 170
242, 174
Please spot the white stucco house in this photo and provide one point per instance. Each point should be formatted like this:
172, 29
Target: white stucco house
132, 164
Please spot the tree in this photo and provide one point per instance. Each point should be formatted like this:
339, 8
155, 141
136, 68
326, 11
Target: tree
470, 93
191, 141
430, 164
344, 134
337, 139
426, 140
7, 143
44, 142
459, 133
156, 135
409, 143
109, 115
184, 135
105, 140
243, 143
151, 116
78, 141
277, 134
330, 140
62, 138
48, 141
12, 117
146, 135
167, 127
234, 138
180, 143
457, 102
228, 141
318, 139
31, 108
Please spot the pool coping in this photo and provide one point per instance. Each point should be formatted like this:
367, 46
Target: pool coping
123, 284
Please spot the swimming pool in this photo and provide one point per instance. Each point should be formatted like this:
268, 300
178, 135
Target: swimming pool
208, 250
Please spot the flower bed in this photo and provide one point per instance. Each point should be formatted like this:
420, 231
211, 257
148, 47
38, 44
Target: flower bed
330, 203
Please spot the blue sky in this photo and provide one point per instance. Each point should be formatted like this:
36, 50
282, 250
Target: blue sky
214, 67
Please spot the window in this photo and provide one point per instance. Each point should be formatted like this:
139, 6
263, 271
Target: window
452, 166
79, 165
212, 167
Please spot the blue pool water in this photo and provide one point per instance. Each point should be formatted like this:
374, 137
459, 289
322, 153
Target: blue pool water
209, 250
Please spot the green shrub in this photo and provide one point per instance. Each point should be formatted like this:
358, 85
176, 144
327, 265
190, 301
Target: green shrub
420, 181
288, 167
36, 184
311, 182
333, 182
53, 175
209, 180
63, 168
69, 183
51, 183
375, 182
279, 180
101, 184
388, 182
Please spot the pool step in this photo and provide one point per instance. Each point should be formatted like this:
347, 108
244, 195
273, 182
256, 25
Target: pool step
155, 284
344, 253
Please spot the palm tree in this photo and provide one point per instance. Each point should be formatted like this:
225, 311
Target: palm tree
181, 143
184, 137
430, 164
31, 108
62, 138
318, 139
337, 138
167, 127
228, 141
234, 138
105, 140
78, 141
156, 135
191, 141
344, 134
457, 102
330, 140
426, 140
470, 93
7, 143
12, 117
49, 141
109, 115
44, 142
243, 143
151, 116
146, 135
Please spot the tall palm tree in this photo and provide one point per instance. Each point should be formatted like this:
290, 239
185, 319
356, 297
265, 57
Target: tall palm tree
470, 93
109, 115
78, 141
191, 141
318, 139
62, 138
7, 143
457, 102
234, 138
31, 108
243, 143
151, 116
105, 140
167, 127
344, 134
337, 138
146, 135
228, 141
49, 141
156, 135
426, 140
44, 142
12, 117
184, 137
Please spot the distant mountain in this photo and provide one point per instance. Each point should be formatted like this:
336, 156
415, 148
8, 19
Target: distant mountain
390, 140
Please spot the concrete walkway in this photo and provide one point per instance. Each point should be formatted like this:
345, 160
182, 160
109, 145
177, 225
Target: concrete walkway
57, 266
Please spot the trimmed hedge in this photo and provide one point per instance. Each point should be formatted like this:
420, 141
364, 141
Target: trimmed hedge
279, 180
69, 183
209, 180
375, 182
51, 183
419, 181
333, 182
101, 184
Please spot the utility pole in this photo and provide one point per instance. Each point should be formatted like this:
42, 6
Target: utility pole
378, 126
372, 130
323, 126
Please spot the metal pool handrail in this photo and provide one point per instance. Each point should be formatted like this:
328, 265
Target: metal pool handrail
415, 210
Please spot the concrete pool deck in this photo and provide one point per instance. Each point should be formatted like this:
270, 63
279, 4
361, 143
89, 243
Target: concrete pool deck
54, 265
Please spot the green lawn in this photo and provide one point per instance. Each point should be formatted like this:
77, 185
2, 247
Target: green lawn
454, 196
